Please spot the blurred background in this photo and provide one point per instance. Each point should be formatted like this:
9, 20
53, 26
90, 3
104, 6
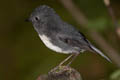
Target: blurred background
24, 57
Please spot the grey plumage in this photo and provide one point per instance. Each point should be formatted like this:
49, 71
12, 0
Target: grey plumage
61, 36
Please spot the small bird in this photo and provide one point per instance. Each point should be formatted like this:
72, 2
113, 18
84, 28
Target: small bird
60, 36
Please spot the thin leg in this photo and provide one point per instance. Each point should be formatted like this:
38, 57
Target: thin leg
63, 62
72, 55
66, 59
73, 58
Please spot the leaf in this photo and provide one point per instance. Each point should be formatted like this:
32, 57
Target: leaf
115, 75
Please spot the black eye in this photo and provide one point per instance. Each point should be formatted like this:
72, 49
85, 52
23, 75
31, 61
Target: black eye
36, 18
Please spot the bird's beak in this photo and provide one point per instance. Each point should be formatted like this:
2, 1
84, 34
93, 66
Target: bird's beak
28, 20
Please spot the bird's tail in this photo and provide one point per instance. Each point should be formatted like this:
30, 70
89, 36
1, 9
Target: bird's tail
99, 52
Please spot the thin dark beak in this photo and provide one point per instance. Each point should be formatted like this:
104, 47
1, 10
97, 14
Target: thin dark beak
28, 20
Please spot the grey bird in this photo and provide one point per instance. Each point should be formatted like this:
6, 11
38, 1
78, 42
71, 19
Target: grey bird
60, 36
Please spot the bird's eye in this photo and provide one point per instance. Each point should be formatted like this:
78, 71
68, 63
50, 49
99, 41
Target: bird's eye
36, 18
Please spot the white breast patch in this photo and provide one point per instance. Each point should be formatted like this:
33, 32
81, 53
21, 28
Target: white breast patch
48, 43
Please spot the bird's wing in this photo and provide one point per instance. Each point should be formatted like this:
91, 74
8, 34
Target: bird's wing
75, 40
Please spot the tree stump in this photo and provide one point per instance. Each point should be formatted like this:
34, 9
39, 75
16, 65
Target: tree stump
61, 73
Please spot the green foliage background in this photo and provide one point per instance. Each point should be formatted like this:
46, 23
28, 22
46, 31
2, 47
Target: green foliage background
24, 57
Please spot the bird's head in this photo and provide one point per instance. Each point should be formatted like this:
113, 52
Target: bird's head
41, 14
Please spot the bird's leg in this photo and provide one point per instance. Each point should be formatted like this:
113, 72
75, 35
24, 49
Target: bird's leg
65, 59
73, 58
72, 55
57, 67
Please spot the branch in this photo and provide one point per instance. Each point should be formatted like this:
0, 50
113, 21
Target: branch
112, 14
75, 12
61, 73
83, 21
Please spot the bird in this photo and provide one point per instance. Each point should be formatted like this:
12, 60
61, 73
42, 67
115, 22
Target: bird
60, 36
